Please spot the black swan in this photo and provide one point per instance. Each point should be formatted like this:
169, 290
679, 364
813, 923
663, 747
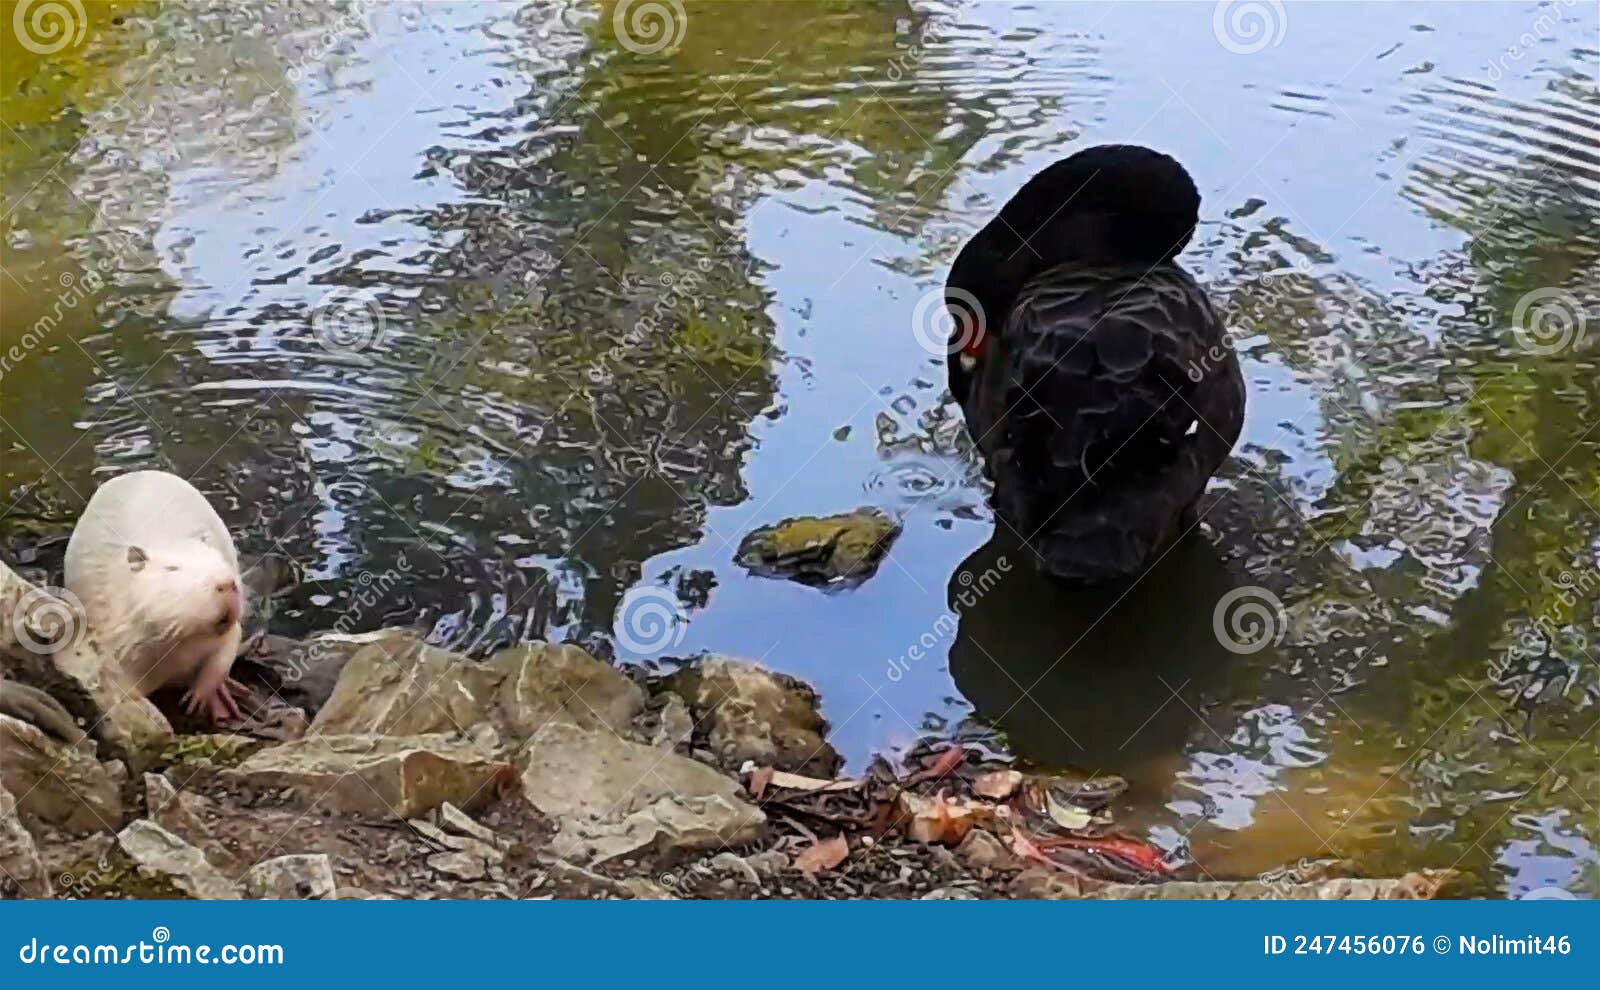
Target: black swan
1096, 378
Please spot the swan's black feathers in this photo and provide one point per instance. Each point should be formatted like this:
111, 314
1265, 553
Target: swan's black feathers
1103, 405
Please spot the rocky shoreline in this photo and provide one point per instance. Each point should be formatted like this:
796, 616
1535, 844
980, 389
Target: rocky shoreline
407, 771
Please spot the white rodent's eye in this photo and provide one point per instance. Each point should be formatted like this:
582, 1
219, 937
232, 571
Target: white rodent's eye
174, 567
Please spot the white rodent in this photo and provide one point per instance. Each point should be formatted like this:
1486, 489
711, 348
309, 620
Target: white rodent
158, 577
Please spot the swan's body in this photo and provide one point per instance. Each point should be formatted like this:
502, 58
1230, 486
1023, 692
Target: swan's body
1100, 386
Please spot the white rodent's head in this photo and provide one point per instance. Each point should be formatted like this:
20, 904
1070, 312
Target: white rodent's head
185, 589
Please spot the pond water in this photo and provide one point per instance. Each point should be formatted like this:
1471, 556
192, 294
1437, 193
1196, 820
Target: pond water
525, 321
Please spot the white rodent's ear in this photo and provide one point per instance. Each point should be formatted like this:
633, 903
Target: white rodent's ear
137, 558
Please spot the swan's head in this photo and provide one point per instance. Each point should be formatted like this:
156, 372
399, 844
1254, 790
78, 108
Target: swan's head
1110, 204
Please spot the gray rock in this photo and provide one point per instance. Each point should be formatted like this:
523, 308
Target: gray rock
56, 784
436, 836
768, 864
182, 814
750, 713
949, 894
161, 855
401, 686
288, 878
675, 728
22, 873
983, 851
845, 548
459, 822
612, 797
460, 865
377, 776
736, 865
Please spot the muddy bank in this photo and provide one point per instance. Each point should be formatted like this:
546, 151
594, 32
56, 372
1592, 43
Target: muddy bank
541, 772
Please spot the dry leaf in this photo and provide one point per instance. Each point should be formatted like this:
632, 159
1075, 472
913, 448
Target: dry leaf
1025, 847
998, 784
824, 855
1068, 816
939, 819
760, 778
795, 782
1140, 855
948, 761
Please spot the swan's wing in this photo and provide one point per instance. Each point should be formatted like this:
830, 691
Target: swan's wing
1108, 394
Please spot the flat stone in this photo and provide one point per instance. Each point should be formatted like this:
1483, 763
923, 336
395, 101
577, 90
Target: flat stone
675, 729
612, 797
751, 713
460, 865
401, 686
161, 855
821, 550
183, 814
436, 836
461, 823
380, 776
58, 785
307, 877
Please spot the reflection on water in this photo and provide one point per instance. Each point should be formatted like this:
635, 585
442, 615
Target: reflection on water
478, 302
1091, 678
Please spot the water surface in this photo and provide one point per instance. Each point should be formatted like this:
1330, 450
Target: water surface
478, 301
